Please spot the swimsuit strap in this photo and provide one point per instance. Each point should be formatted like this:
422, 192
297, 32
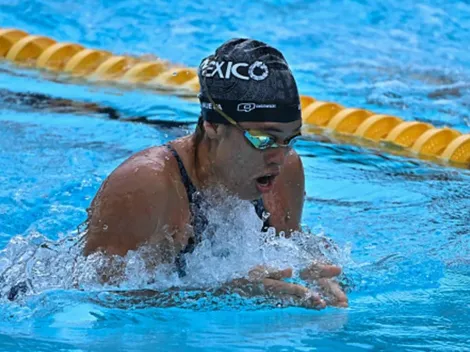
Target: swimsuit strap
188, 185
198, 221
261, 211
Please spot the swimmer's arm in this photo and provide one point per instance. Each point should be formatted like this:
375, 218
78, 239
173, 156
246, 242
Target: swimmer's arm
129, 209
286, 201
261, 283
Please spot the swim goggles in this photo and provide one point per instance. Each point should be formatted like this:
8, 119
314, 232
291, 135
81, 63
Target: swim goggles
258, 139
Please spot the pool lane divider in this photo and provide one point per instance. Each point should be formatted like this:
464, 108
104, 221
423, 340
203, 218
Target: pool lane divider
351, 125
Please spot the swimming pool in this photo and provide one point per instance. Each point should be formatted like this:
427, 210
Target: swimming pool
402, 225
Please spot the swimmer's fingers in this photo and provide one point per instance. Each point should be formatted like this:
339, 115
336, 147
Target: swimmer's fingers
276, 287
322, 274
261, 272
280, 274
333, 293
298, 294
317, 271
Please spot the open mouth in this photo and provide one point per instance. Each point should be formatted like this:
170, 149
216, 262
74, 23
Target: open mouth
265, 180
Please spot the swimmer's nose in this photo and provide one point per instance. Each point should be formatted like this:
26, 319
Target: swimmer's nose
276, 156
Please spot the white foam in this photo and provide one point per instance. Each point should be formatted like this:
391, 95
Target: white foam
231, 245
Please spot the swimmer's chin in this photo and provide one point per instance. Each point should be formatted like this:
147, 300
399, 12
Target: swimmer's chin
221, 191
251, 194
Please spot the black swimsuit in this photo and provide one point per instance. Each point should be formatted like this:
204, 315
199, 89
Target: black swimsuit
198, 221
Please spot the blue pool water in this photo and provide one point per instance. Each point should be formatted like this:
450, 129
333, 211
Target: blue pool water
402, 226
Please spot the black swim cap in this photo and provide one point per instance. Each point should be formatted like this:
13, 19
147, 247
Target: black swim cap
249, 81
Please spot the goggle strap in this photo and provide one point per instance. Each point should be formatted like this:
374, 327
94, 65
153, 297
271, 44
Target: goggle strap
216, 108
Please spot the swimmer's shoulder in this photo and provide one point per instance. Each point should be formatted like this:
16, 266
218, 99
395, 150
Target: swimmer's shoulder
151, 169
285, 202
293, 169
142, 173
291, 181
135, 202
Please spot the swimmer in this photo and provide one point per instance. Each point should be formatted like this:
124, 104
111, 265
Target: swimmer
250, 116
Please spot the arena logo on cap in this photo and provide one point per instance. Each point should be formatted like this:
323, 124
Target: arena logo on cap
247, 107
225, 70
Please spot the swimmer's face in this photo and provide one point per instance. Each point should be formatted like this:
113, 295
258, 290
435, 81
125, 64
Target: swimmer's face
245, 170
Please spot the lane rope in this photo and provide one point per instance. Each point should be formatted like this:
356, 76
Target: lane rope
418, 139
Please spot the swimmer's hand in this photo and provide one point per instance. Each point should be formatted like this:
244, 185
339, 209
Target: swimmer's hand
323, 274
268, 282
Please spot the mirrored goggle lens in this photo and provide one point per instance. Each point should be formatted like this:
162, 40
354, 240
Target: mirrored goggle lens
261, 141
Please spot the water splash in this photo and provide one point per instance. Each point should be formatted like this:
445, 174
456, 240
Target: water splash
230, 247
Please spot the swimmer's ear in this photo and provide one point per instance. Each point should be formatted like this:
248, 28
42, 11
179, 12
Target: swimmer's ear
213, 130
